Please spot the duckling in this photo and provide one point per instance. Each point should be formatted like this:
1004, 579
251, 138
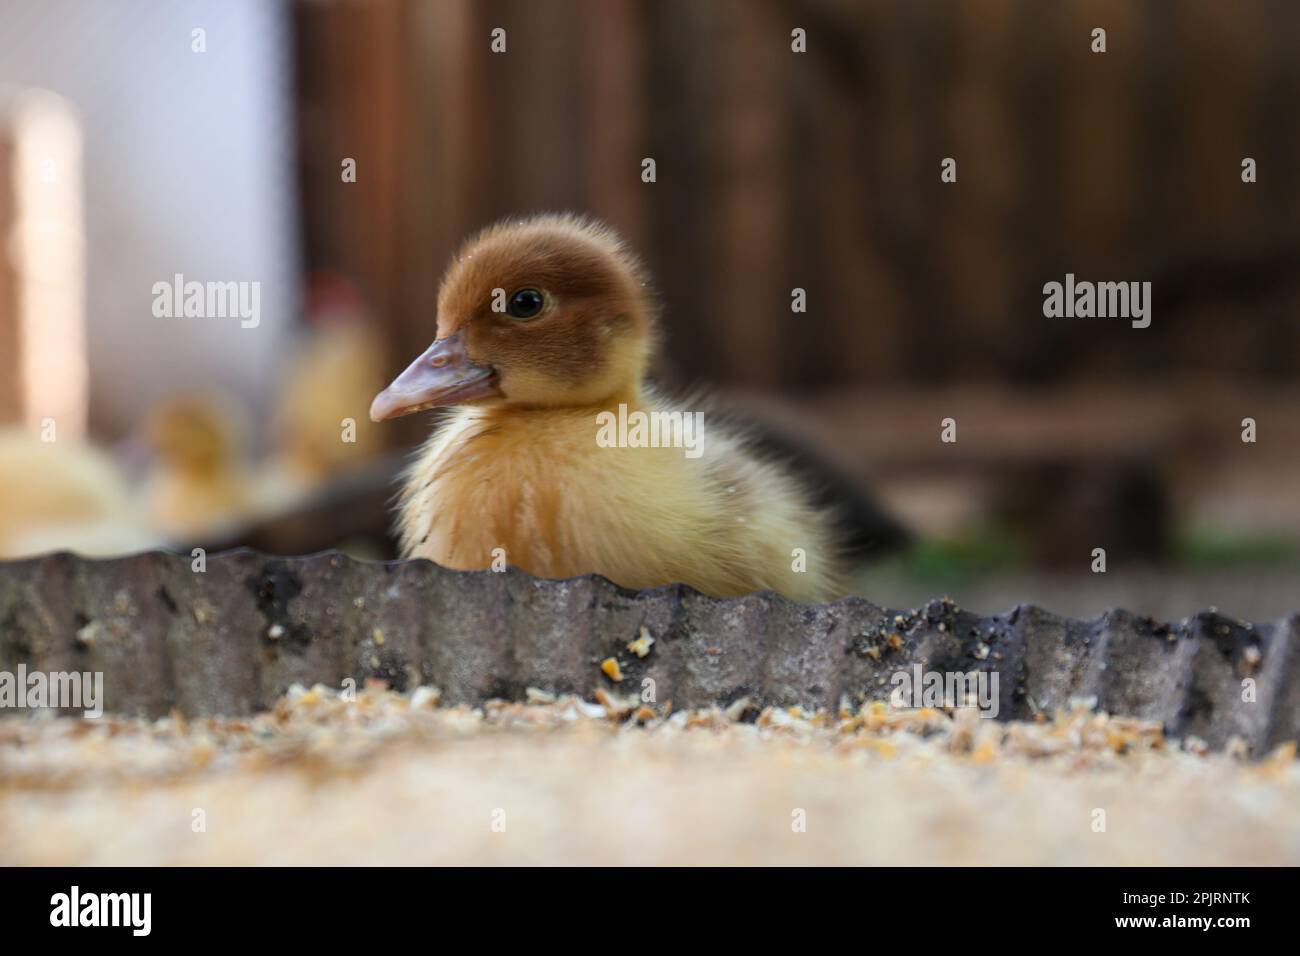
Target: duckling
65, 496
198, 483
336, 368
545, 330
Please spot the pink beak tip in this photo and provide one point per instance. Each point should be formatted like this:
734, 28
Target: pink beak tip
381, 407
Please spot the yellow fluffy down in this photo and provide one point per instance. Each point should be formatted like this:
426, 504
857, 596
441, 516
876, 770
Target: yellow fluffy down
63, 495
536, 484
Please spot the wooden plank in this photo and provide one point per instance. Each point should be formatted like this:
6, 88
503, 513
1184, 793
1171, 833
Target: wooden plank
750, 283
613, 54
11, 410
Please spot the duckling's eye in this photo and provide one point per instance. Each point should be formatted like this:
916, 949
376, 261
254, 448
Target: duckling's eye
526, 303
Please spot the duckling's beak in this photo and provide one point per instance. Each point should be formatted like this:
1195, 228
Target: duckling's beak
443, 375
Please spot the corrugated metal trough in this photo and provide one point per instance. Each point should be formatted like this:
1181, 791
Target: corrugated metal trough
230, 639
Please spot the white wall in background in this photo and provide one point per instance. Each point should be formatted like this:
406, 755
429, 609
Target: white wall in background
188, 168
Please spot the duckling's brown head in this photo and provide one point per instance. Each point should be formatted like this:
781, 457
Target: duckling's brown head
195, 433
551, 311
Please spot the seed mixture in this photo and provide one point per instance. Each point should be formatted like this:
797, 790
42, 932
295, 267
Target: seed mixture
384, 777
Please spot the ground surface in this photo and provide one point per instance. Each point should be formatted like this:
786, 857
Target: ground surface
390, 778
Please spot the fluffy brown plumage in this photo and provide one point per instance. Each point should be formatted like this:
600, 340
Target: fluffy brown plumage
516, 474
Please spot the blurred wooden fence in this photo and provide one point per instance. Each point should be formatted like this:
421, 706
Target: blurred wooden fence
11, 405
822, 171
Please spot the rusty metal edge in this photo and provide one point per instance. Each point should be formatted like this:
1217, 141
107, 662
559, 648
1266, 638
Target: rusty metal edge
231, 638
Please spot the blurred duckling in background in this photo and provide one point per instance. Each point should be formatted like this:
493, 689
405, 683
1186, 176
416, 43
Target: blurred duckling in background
336, 368
65, 496
543, 325
199, 482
